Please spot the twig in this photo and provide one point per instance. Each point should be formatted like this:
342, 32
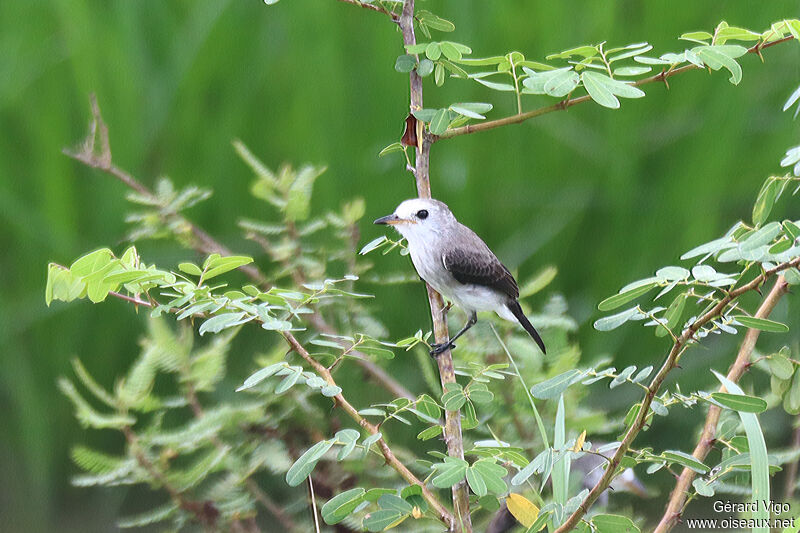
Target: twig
669, 364
204, 511
252, 486
564, 104
371, 6
452, 427
202, 242
441, 512
677, 499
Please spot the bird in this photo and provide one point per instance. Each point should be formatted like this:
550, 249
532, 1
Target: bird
453, 260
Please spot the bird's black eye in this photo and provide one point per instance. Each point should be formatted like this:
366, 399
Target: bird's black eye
422, 214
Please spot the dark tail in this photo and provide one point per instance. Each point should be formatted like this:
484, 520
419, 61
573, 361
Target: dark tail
517, 312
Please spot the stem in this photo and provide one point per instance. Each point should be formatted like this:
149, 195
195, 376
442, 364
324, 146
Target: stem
442, 513
707, 438
373, 7
564, 104
204, 511
669, 364
201, 242
539, 422
452, 428
340, 401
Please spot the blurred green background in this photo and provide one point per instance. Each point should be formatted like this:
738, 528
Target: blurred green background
606, 196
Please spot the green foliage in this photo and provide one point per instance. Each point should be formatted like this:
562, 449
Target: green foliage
210, 458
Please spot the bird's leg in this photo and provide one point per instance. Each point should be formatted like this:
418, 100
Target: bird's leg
439, 348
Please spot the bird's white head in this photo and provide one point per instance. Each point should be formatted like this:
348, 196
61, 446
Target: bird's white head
420, 218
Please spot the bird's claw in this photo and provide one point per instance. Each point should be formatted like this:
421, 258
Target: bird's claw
437, 349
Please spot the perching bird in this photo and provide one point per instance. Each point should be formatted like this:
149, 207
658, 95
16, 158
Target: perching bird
458, 264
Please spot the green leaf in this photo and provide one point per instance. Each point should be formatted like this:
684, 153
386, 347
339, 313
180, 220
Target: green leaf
759, 477
449, 51
612, 302
472, 109
581, 51
394, 147
392, 502
703, 487
780, 366
305, 464
761, 324
504, 87
260, 376
740, 402
453, 400
223, 321
686, 460
672, 315
449, 473
560, 473
429, 433
614, 321
190, 268
553, 387
153, 516
433, 51
425, 68
491, 474
476, 482
405, 63
383, 519
434, 21
697, 36
622, 377
598, 89
612, 523
440, 122
340, 506
221, 265
672, 273
631, 71
542, 279
717, 57
765, 200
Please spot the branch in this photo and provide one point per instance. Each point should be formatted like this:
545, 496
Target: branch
373, 7
707, 438
443, 514
204, 511
564, 104
452, 427
340, 401
669, 364
202, 242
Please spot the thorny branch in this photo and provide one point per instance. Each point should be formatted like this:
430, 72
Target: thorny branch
452, 428
708, 436
670, 363
662, 76
202, 242
339, 400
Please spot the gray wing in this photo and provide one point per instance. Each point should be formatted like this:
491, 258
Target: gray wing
479, 266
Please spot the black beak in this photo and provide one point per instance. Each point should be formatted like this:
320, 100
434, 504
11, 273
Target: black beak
388, 219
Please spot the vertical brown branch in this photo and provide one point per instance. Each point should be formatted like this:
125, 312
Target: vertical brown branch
677, 499
452, 428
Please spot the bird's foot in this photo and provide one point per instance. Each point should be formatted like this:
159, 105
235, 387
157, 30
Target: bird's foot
437, 349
